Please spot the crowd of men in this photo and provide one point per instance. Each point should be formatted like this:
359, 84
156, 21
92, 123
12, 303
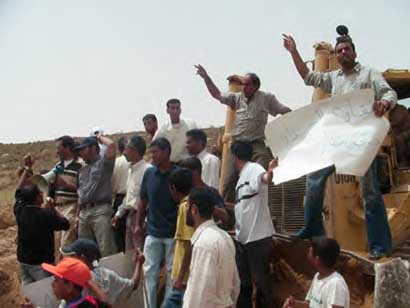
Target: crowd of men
159, 195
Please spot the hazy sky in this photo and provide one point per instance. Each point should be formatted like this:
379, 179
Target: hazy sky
66, 66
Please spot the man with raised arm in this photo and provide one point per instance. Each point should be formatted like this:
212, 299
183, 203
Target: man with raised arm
252, 109
95, 193
351, 77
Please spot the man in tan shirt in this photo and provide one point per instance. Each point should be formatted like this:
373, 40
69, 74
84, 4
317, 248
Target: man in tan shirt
252, 109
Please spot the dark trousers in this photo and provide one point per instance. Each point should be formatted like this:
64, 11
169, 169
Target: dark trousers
119, 230
253, 262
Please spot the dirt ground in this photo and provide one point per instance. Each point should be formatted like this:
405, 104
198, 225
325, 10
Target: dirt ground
292, 272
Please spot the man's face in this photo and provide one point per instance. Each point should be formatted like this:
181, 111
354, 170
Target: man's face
158, 156
174, 111
60, 288
150, 126
248, 88
190, 221
61, 150
130, 154
194, 147
345, 54
84, 153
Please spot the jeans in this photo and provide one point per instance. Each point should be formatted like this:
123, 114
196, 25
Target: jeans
378, 230
155, 249
174, 300
31, 273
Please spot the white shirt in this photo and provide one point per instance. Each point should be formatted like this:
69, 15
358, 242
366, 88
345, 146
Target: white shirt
210, 168
120, 175
332, 290
176, 135
132, 197
67, 162
213, 278
253, 219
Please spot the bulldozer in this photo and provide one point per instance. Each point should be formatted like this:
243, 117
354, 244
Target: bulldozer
343, 212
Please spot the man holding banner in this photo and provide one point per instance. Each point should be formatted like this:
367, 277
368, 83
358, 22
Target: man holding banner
351, 77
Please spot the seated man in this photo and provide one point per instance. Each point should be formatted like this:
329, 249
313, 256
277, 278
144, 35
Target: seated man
328, 288
400, 125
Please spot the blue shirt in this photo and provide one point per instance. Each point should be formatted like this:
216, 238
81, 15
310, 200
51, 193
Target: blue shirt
162, 209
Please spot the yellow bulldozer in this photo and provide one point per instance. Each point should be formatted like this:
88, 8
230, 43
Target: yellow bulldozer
343, 212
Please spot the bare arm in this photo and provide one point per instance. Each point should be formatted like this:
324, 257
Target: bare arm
23, 176
136, 277
290, 45
111, 148
212, 88
186, 261
140, 217
291, 302
267, 177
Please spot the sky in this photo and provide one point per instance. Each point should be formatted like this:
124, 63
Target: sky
67, 66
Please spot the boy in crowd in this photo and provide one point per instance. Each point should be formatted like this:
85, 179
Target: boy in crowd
180, 185
116, 288
71, 276
224, 216
328, 288
36, 226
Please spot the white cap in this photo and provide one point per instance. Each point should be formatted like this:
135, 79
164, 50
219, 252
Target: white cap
97, 131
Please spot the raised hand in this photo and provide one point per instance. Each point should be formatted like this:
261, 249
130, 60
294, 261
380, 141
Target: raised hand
273, 164
201, 71
28, 161
289, 43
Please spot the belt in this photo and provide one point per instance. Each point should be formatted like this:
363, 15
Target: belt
65, 202
93, 204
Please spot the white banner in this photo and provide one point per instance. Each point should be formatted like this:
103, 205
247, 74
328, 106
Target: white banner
341, 131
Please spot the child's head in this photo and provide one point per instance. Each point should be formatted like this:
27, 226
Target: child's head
83, 249
324, 253
70, 277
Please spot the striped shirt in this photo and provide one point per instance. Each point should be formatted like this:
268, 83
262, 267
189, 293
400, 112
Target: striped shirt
69, 175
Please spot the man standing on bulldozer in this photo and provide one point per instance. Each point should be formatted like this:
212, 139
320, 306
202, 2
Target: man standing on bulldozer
351, 77
252, 108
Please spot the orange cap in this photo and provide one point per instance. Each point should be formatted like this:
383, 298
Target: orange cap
70, 269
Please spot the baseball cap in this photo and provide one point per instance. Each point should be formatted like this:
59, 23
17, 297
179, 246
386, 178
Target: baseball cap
70, 269
86, 143
82, 247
